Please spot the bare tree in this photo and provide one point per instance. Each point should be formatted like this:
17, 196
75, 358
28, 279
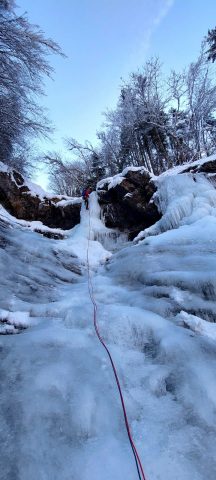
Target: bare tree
201, 98
162, 122
211, 39
90, 156
23, 63
158, 122
66, 177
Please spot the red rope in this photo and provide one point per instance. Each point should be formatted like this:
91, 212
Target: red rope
91, 294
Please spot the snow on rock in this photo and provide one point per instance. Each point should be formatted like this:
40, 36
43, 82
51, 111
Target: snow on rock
12, 322
140, 170
111, 182
135, 199
18, 319
197, 324
26, 200
201, 165
34, 226
35, 190
58, 200
126, 200
116, 180
4, 168
70, 201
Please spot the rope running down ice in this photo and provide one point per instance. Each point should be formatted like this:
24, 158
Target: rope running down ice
139, 466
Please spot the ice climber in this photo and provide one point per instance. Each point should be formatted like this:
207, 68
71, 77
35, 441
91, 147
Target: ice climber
85, 194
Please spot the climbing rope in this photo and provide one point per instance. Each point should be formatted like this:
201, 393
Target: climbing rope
139, 466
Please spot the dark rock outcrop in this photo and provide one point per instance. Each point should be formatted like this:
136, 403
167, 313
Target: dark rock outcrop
207, 167
127, 203
19, 200
127, 199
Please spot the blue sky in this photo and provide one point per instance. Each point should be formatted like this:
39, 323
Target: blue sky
104, 40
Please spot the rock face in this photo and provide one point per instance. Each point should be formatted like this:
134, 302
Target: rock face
26, 201
207, 167
126, 201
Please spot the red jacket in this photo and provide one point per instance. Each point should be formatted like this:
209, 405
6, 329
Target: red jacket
87, 193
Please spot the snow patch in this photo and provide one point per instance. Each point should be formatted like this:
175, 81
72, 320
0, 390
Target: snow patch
197, 324
111, 182
180, 168
70, 201
34, 226
12, 322
4, 168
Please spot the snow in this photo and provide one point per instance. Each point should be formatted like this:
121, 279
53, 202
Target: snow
135, 169
11, 322
3, 168
34, 226
111, 182
180, 168
180, 258
36, 191
70, 201
60, 415
84, 235
183, 200
197, 324
19, 319
116, 180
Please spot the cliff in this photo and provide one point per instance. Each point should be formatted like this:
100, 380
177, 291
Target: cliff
25, 200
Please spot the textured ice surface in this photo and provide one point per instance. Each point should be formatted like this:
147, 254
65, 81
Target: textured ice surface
60, 416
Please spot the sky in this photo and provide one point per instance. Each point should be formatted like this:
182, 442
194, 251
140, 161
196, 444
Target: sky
104, 41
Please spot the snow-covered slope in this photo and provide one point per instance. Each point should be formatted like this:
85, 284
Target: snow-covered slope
60, 416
